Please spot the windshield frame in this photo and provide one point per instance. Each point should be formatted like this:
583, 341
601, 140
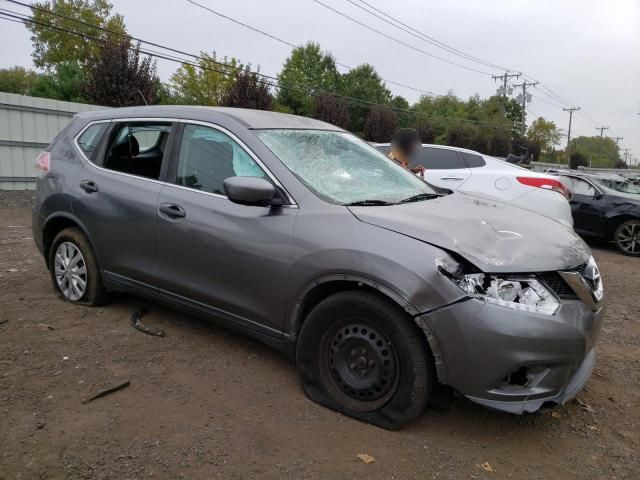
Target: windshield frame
420, 186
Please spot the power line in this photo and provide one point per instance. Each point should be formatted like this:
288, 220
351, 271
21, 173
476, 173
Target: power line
420, 35
280, 40
24, 18
399, 41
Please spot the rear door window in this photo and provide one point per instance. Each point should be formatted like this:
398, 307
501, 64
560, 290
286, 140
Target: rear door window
472, 160
137, 148
437, 159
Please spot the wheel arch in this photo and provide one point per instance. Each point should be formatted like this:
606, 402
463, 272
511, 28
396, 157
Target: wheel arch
614, 222
57, 222
323, 287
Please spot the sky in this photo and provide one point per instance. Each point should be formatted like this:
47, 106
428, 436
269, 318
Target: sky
585, 51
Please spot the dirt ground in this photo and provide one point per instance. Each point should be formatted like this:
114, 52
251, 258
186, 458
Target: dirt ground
204, 403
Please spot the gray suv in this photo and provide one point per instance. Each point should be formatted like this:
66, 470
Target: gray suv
300, 234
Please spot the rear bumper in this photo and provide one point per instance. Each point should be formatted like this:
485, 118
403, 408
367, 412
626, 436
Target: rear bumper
550, 204
513, 361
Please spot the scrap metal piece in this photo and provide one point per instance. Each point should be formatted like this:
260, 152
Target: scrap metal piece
107, 391
138, 325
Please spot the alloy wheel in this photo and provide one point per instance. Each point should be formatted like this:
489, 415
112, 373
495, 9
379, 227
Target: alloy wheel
629, 238
70, 271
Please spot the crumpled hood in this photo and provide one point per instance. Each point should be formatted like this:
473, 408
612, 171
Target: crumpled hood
494, 236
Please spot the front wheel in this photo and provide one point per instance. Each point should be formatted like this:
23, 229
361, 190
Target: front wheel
361, 355
627, 237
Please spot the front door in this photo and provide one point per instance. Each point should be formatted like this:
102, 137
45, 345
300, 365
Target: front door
223, 257
587, 207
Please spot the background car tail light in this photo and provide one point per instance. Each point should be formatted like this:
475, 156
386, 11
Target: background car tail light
547, 183
43, 162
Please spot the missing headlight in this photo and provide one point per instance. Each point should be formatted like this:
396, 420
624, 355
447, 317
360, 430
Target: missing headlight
520, 293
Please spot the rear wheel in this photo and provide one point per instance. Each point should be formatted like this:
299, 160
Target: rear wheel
627, 237
74, 269
361, 355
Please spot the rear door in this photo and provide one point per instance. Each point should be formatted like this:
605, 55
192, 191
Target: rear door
444, 168
213, 254
115, 195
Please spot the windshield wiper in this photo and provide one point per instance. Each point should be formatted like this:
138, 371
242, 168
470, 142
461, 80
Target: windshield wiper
420, 196
368, 203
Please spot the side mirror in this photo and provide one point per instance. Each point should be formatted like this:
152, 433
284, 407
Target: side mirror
253, 191
598, 195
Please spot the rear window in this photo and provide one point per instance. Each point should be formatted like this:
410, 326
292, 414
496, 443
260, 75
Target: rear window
437, 159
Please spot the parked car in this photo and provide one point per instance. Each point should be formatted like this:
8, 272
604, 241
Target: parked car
616, 182
604, 213
302, 235
471, 172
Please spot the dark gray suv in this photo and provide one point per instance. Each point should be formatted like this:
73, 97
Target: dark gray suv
300, 234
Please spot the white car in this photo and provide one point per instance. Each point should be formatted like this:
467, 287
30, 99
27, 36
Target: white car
471, 172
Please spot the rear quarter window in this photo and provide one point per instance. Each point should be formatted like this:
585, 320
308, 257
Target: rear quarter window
89, 139
473, 160
437, 159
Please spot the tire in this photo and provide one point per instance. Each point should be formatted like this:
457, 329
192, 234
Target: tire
71, 249
627, 237
361, 355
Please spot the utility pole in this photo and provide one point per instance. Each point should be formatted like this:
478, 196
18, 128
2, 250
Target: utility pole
602, 129
570, 110
524, 100
617, 139
626, 154
505, 78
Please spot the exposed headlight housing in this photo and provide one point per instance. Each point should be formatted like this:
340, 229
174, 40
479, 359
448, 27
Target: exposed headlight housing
521, 292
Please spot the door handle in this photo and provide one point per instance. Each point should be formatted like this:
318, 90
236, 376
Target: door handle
172, 210
451, 178
89, 186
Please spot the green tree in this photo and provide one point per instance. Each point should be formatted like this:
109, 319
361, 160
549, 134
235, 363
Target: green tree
363, 83
544, 134
17, 80
331, 109
51, 46
207, 84
118, 76
308, 71
63, 82
601, 152
380, 124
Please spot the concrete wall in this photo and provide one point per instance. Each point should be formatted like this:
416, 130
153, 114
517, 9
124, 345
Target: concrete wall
27, 125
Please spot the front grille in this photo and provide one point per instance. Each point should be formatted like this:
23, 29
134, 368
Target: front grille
555, 282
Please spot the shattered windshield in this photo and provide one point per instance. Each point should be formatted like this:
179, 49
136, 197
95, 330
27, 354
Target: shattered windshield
341, 168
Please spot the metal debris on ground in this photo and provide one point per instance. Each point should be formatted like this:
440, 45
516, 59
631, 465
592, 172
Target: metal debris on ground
138, 325
585, 406
486, 466
366, 458
107, 391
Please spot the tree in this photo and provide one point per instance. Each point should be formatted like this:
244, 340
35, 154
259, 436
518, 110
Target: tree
380, 124
460, 135
119, 77
601, 152
53, 45
498, 143
427, 132
578, 159
248, 91
206, 84
331, 109
63, 82
363, 83
306, 72
544, 134
17, 80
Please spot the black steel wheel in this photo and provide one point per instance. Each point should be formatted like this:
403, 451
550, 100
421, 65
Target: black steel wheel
362, 355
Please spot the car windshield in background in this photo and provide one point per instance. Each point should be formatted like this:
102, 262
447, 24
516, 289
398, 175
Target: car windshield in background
625, 187
340, 168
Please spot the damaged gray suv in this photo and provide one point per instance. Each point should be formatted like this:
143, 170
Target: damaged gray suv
300, 234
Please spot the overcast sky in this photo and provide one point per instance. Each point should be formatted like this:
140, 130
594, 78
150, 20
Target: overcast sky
586, 51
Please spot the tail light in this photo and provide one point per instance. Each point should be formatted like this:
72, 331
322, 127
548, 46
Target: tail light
546, 183
43, 162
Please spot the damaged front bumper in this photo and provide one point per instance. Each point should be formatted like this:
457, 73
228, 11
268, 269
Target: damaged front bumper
513, 361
